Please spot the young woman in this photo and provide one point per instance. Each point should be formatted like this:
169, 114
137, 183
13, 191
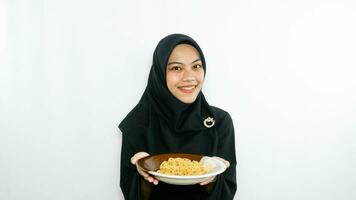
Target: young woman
174, 117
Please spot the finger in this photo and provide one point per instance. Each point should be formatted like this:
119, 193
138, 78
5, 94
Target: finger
155, 181
142, 173
227, 163
145, 175
133, 160
150, 179
207, 181
138, 156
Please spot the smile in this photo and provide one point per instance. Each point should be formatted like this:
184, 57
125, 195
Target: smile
187, 89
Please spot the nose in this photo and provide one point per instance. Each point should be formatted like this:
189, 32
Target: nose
188, 75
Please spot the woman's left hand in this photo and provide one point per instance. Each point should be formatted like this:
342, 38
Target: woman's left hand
212, 179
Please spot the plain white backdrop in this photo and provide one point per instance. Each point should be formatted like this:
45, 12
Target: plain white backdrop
71, 70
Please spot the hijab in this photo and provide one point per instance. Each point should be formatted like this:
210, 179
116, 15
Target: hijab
180, 117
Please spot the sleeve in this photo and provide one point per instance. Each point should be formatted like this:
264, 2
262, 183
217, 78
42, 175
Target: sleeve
129, 177
132, 128
225, 184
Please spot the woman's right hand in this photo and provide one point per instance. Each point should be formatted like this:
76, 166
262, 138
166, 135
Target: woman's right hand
145, 175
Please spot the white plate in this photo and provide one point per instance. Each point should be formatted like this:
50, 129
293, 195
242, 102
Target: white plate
216, 167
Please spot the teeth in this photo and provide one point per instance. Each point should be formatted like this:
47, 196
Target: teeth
188, 88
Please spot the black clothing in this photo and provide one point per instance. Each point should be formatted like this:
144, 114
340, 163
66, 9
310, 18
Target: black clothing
160, 123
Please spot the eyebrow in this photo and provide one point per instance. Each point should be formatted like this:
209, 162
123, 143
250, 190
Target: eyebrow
175, 62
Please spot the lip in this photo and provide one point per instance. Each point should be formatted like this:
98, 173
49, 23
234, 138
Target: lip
187, 89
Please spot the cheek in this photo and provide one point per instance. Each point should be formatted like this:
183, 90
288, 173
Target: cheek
171, 81
200, 77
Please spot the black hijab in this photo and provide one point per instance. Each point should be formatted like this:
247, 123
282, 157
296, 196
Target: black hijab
179, 116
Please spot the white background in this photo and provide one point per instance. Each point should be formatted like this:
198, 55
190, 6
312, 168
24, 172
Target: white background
71, 70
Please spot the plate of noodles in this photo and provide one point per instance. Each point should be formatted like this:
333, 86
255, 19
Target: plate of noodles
180, 168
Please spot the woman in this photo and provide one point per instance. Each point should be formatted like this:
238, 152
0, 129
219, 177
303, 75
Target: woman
174, 117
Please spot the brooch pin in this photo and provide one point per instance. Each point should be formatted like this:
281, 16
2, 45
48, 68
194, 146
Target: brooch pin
209, 122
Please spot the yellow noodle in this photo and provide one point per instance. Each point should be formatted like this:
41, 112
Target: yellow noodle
182, 167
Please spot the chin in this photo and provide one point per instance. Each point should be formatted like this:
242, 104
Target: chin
188, 100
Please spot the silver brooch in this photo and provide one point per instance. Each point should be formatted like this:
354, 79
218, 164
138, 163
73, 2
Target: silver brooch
209, 122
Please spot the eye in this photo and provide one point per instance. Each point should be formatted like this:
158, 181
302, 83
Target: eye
176, 68
197, 66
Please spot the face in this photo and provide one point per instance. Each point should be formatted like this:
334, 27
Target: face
185, 73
